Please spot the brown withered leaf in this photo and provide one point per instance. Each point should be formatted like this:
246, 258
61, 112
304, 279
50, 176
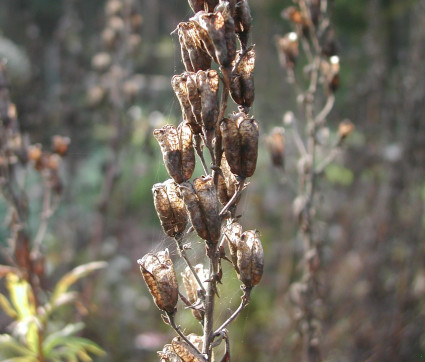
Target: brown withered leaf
250, 258
158, 273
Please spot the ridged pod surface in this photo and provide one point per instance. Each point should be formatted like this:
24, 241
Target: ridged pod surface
248, 130
208, 84
191, 286
194, 56
185, 351
226, 183
168, 354
198, 5
250, 258
243, 21
158, 272
231, 144
233, 232
242, 87
194, 209
186, 146
194, 97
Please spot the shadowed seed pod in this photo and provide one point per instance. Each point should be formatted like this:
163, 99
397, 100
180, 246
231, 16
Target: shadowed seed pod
186, 352
299, 18
202, 205
207, 5
240, 143
243, 21
242, 79
158, 273
250, 258
177, 150
192, 287
170, 207
226, 184
194, 56
179, 84
287, 47
233, 232
276, 146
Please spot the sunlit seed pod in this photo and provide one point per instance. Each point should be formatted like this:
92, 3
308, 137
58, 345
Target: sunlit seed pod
136, 21
248, 130
96, 95
345, 128
194, 97
287, 47
168, 140
201, 35
276, 146
231, 144
233, 232
116, 23
226, 186
186, 146
242, 85
35, 152
208, 84
243, 21
191, 286
250, 258
158, 273
207, 196
194, 209
168, 354
185, 351
185, 54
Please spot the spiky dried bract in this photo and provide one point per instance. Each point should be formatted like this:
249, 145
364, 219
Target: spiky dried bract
208, 84
233, 232
207, 196
242, 87
243, 21
276, 146
248, 130
185, 351
158, 273
231, 144
250, 258
186, 146
191, 285
226, 185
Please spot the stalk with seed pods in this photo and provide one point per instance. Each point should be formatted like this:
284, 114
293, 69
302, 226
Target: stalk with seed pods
208, 203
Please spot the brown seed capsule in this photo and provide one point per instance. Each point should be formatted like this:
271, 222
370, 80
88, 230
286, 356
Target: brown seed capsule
35, 152
158, 273
233, 232
226, 185
276, 146
170, 207
60, 145
287, 47
186, 146
168, 354
194, 209
192, 287
194, 97
242, 80
208, 83
186, 352
243, 21
207, 5
345, 128
207, 196
231, 144
248, 130
250, 258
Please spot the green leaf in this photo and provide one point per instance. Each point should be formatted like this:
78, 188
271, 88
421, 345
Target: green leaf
55, 338
7, 307
11, 349
73, 276
339, 175
70, 348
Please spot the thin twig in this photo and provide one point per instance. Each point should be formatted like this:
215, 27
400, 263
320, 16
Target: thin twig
179, 332
239, 189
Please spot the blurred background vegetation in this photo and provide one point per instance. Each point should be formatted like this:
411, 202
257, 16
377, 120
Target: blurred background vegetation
372, 199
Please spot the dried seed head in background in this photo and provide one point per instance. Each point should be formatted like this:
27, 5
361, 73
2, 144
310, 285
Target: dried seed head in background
60, 145
158, 273
345, 128
287, 47
250, 258
276, 146
170, 207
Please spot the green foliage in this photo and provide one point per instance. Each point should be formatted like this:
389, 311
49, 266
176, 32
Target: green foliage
338, 174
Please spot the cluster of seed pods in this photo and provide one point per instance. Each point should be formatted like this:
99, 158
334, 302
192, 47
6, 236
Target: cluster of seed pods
207, 204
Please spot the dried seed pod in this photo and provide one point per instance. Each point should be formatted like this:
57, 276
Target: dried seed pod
226, 185
345, 128
170, 207
208, 84
194, 97
186, 352
192, 287
276, 146
242, 79
186, 146
168, 354
250, 258
194, 209
60, 145
287, 47
158, 273
248, 130
233, 232
207, 196
231, 143
207, 5
243, 21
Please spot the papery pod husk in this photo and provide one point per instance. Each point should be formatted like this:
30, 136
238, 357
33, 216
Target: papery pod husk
169, 142
233, 232
226, 186
191, 286
201, 34
185, 54
170, 207
194, 209
228, 11
207, 5
168, 354
185, 351
178, 82
208, 84
250, 258
196, 54
207, 195
158, 273
186, 146
246, 70
243, 22
248, 130
231, 143
194, 97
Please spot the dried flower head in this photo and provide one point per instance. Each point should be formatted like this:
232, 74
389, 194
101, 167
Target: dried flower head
158, 273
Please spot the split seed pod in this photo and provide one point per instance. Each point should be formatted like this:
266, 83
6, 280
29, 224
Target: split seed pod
242, 81
240, 143
185, 351
192, 287
158, 273
226, 185
233, 232
177, 150
170, 207
202, 204
250, 258
243, 21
